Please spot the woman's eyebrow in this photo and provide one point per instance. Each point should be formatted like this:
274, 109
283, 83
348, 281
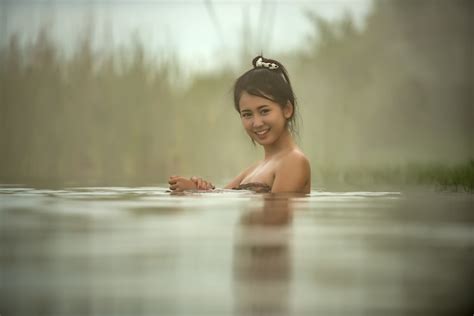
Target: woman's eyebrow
258, 108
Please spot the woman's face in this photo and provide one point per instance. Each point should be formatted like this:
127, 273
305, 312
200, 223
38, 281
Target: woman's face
263, 120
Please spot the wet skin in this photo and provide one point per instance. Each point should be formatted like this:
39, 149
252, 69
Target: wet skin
284, 168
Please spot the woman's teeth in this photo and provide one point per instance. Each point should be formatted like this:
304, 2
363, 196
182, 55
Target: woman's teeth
260, 133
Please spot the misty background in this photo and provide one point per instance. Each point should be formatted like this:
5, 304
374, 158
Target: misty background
128, 93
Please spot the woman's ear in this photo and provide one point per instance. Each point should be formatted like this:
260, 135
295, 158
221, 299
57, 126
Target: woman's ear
288, 110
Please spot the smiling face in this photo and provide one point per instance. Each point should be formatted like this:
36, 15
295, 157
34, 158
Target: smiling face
264, 120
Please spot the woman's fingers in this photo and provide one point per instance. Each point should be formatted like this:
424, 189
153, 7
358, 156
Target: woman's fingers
179, 183
173, 179
176, 183
201, 184
195, 180
207, 185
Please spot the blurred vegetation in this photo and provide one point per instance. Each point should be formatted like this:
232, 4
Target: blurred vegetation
395, 95
389, 104
444, 177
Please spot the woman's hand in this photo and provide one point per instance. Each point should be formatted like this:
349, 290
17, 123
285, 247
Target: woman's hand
202, 184
179, 184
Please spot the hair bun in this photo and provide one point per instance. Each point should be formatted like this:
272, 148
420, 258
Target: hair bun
260, 62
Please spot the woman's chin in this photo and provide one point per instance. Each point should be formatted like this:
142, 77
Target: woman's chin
264, 141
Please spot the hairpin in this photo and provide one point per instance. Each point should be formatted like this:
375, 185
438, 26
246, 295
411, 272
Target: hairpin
261, 64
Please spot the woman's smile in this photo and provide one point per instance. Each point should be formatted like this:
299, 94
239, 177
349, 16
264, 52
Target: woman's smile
262, 133
263, 119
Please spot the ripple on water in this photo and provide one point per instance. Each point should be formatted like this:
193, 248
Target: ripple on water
119, 250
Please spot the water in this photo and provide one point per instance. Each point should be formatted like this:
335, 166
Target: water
143, 251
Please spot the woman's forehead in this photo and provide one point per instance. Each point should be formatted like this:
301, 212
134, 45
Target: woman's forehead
253, 101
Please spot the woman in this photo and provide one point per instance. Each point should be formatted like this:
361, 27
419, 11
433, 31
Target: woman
264, 98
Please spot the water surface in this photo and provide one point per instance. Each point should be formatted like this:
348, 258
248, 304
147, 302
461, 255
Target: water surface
144, 251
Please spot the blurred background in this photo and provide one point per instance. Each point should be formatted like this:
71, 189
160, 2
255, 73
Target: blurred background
124, 92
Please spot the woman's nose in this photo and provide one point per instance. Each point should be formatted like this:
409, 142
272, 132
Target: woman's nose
257, 121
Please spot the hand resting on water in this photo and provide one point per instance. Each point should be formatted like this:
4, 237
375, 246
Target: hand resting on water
179, 184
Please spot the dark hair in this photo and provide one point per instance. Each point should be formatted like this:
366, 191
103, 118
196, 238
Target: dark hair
268, 79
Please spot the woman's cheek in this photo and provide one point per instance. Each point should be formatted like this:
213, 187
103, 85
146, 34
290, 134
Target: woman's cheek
246, 124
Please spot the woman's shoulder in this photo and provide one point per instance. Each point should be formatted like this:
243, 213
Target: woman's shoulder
297, 156
296, 160
293, 173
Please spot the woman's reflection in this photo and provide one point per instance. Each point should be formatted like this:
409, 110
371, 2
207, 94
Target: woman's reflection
262, 264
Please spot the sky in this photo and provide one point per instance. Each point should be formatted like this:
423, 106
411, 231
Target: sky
200, 33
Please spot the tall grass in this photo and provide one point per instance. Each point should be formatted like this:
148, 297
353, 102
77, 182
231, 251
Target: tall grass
440, 176
107, 118
381, 98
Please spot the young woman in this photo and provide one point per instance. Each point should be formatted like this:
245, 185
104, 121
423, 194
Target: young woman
264, 98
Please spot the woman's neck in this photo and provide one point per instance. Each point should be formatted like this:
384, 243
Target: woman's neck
284, 143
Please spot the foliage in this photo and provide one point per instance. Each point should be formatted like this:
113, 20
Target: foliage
394, 97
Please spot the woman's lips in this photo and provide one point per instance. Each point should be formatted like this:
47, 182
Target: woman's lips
262, 133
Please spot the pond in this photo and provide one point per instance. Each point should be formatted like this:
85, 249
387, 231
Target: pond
145, 251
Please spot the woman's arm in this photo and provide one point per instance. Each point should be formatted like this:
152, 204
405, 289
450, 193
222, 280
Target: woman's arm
293, 175
178, 183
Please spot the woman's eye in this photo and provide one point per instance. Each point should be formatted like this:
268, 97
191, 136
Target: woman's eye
264, 111
246, 115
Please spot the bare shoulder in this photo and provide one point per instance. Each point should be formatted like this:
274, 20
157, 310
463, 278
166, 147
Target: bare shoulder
296, 159
293, 173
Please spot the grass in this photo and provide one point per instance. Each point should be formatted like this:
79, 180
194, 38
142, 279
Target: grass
443, 177
121, 117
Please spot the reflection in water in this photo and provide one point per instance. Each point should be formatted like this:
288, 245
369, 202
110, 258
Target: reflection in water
262, 259
142, 251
